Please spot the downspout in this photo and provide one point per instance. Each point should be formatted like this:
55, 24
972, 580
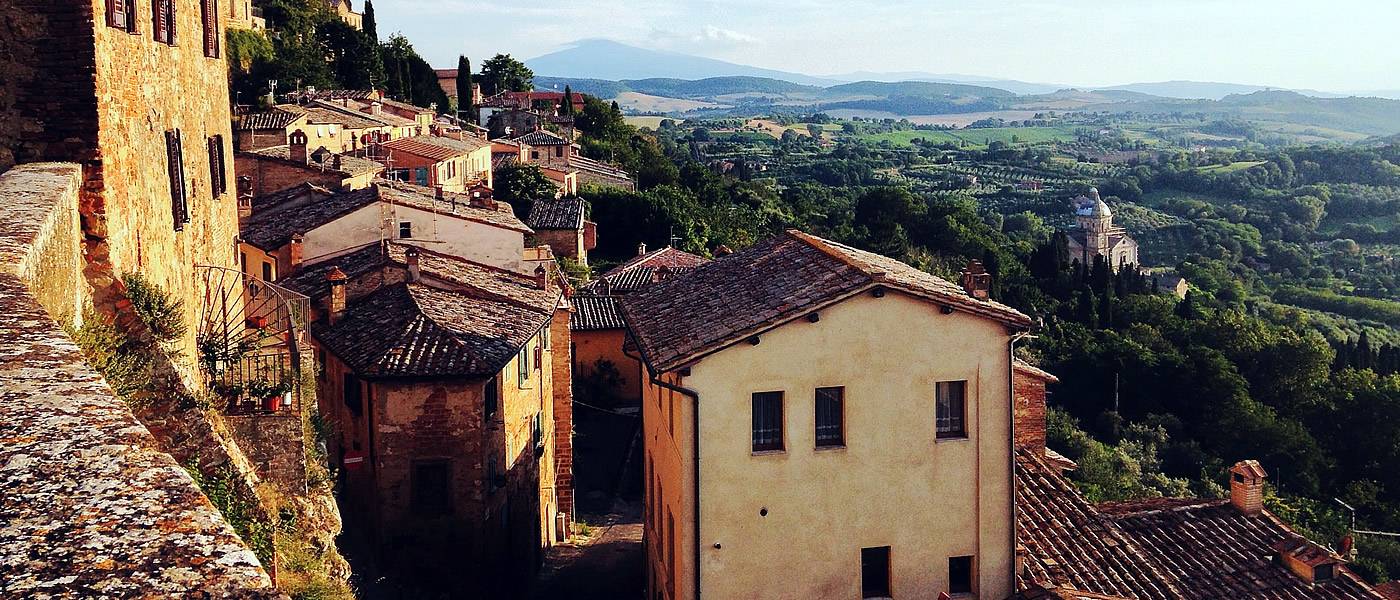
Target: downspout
695, 458
1011, 387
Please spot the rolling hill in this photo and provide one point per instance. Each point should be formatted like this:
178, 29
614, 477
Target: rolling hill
606, 59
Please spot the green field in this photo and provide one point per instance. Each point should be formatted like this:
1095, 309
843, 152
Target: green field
977, 137
1232, 167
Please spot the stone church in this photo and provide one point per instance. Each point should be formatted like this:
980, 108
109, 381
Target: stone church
1095, 234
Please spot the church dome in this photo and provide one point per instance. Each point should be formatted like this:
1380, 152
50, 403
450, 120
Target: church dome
1091, 205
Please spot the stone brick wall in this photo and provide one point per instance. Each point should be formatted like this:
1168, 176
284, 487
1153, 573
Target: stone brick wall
273, 444
48, 103
564, 242
562, 365
271, 175
1029, 398
91, 505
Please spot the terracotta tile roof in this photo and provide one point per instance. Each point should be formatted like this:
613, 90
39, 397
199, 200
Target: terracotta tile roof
669, 256
1029, 369
272, 229
295, 194
593, 313
1216, 551
540, 138
271, 119
599, 167
340, 163
632, 279
417, 330
362, 109
1390, 590
727, 300
1069, 544
436, 148
562, 213
320, 114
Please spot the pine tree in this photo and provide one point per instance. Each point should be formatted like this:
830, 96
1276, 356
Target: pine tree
465, 110
367, 21
567, 108
1186, 309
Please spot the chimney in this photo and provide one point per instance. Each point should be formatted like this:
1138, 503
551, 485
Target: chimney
411, 257
723, 250
976, 280
294, 253
1310, 562
660, 274
542, 277
641, 248
375, 108
1247, 487
1028, 403
335, 302
296, 146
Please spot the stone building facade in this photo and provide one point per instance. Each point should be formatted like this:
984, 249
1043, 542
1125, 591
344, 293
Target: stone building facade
114, 96
1096, 235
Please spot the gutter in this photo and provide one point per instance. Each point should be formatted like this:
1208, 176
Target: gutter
1011, 382
695, 455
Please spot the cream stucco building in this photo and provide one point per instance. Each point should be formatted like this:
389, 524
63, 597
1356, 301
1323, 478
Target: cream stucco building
822, 422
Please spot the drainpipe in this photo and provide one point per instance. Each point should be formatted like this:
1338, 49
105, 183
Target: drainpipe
695, 458
1011, 383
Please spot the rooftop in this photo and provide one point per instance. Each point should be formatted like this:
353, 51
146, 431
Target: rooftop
562, 213
437, 148
540, 138
318, 114
340, 163
731, 298
271, 119
272, 229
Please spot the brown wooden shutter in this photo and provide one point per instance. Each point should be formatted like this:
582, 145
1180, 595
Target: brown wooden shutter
217, 179
159, 21
211, 27
170, 22
116, 14
175, 166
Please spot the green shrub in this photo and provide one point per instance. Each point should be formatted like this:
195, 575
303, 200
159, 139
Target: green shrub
163, 314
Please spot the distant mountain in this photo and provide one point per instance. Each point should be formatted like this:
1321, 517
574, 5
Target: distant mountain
919, 89
1205, 90
1369, 116
1010, 85
606, 59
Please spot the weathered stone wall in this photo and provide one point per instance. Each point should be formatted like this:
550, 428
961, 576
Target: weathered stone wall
562, 364
1030, 411
91, 505
564, 242
273, 443
271, 175
48, 101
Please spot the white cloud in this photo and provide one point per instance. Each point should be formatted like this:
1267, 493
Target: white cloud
713, 34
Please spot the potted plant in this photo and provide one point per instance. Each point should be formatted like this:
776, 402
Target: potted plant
269, 395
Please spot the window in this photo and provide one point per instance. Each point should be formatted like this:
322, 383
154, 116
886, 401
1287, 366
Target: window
767, 421
352, 391
493, 474
175, 172
210, 12
558, 150
960, 575
217, 181
243, 261
522, 364
951, 410
489, 399
830, 417
535, 154
121, 14
671, 552
537, 430
267, 271
163, 21
875, 572
430, 485
405, 229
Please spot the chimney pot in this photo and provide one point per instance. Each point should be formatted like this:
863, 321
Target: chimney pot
661, 273
294, 253
1247, 486
723, 250
335, 302
415, 272
296, 147
542, 277
976, 281
641, 248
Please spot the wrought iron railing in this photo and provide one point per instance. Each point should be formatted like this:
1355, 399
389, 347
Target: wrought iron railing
250, 340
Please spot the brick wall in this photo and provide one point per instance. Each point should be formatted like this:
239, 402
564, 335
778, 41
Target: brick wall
564, 242
1030, 411
562, 365
273, 444
271, 175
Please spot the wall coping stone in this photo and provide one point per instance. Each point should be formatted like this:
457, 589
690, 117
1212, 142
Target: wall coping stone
89, 507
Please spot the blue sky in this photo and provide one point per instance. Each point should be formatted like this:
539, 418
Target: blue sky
1336, 45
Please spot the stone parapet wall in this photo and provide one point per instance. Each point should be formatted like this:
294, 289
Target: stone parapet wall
273, 444
91, 506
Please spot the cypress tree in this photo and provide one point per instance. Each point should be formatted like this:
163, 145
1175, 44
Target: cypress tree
465, 110
367, 22
567, 108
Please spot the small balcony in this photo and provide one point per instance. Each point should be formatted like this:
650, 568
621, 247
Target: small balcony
251, 338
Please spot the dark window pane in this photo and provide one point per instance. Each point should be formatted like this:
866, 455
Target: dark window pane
875, 572
430, 488
767, 421
951, 409
830, 416
489, 399
352, 394
960, 575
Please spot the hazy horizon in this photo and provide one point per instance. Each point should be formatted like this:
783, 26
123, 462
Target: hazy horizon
1341, 46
